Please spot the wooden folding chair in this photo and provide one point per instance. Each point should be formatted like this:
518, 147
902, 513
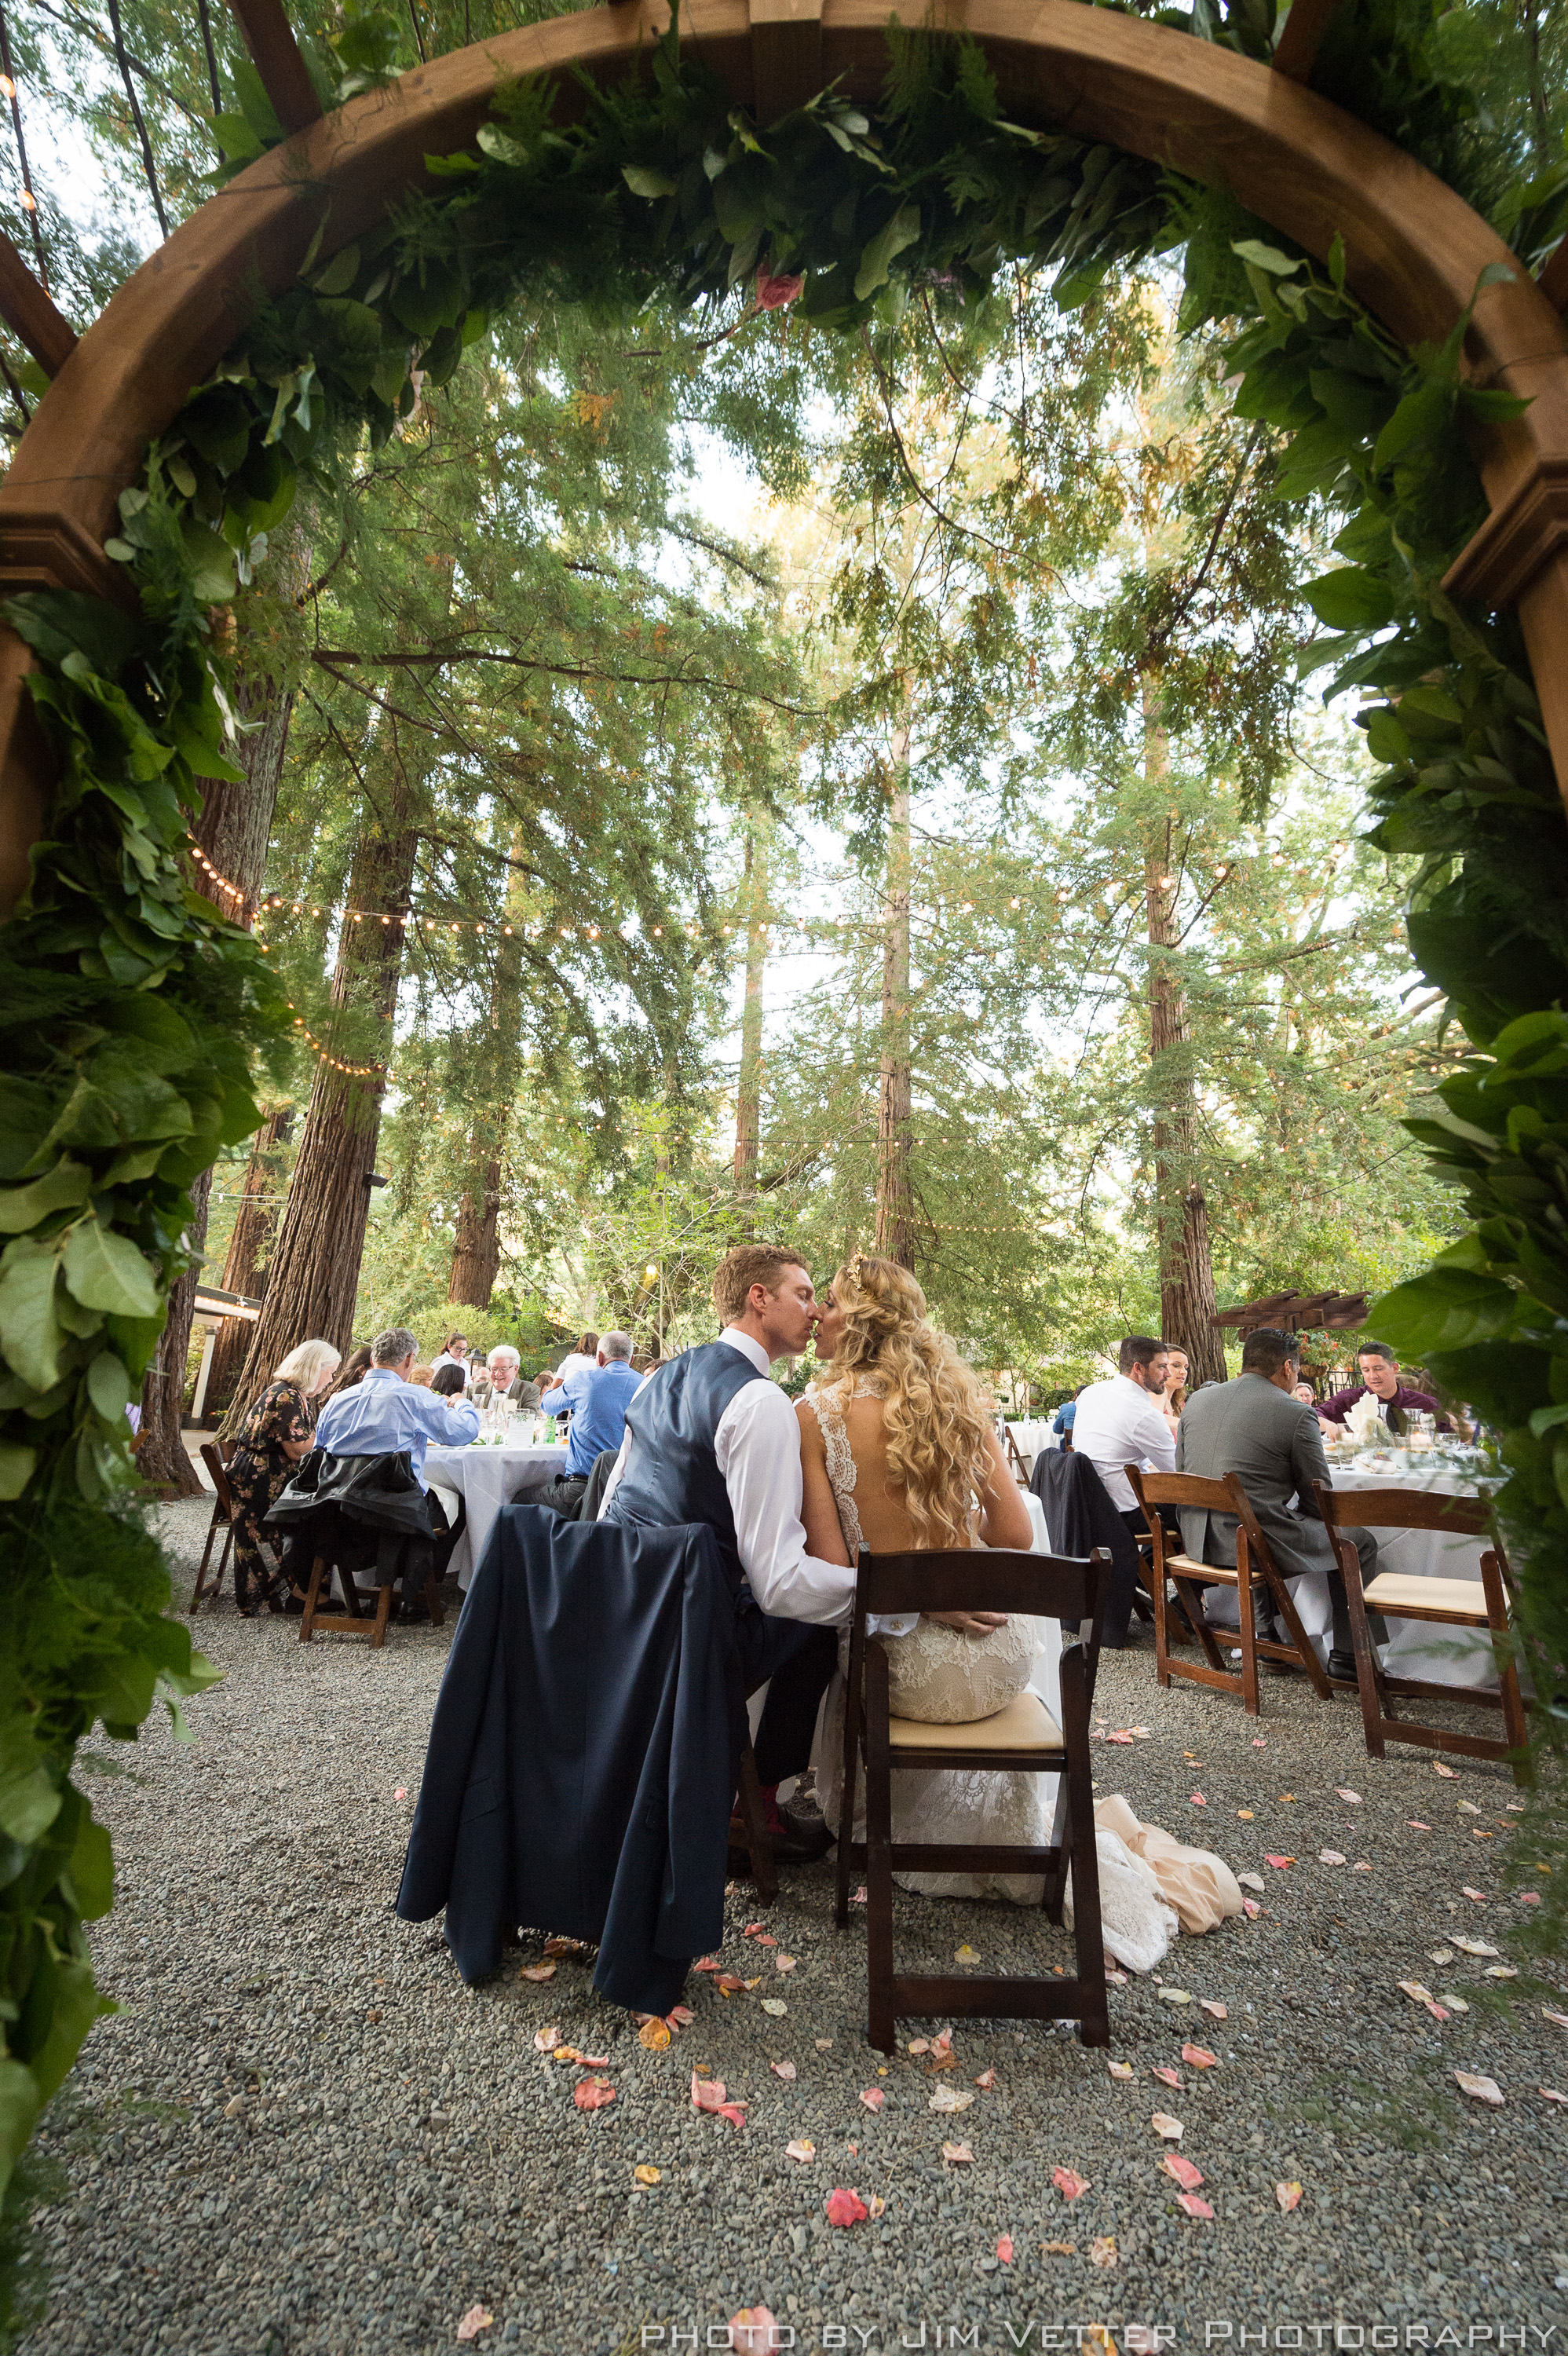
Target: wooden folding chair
1022, 1738
358, 1619
1020, 1470
1443, 1603
215, 1455
759, 1850
1254, 1575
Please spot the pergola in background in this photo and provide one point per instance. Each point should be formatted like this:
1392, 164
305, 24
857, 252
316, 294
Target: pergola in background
1298, 1312
1415, 255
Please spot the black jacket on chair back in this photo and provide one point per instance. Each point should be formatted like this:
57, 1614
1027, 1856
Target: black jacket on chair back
672, 1473
1079, 1516
586, 1742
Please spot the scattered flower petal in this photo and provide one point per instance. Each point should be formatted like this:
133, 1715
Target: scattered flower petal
1330, 1856
1103, 2250
755, 2329
1361, 1866
876, 2204
679, 2015
919, 2045
708, 2094
1288, 2195
1060, 2249
708, 1964
643, 2174
1251, 1881
1559, 2018
1194, 2204
1196, 1800
846, 2207
546, 2040
1450, 1773
1530, 1897
1164, 2125
1550, 2095
1169, 2078
1246, 1815
802, 2149
965, 1953
1199, 2057
857, 1896
986, 2081
1186, 2175
873, 2097
729, 1983
563, 1946
1120, 2068
1440, 1955
402, 1793
1485, 2090
1069, 2183
950, 2098
1416, 1826
956, 2155
786, 1963
1354, 1797
1279, 1863
1005, 2248
1174, 1995
1251, 1909
1499, 1972
784, 2069
823, 2044
592, 2094
1114, 1978
538, 1972
654, 2036
774, 2004
478, 2319
1477, 1897
1213, 2008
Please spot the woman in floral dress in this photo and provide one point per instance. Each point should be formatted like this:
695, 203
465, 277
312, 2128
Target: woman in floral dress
279, 1429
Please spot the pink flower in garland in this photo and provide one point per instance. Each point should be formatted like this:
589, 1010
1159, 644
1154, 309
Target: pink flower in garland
777, 289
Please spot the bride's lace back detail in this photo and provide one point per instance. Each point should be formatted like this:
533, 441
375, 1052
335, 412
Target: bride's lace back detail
936, 1674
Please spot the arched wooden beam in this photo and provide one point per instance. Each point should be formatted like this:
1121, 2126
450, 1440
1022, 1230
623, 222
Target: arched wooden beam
1415, 250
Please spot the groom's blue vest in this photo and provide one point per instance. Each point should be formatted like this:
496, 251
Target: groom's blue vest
672, 1473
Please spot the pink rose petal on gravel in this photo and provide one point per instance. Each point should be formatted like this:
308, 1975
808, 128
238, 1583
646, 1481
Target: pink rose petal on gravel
781, 2068
478, 2319
755, 2331
1288, 2195
845, 2206
1186, 2175
1194, 2204
1005, 2248
873, 2097
1069, 2183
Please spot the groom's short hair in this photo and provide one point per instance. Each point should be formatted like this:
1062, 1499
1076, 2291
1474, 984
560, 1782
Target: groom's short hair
747, 1264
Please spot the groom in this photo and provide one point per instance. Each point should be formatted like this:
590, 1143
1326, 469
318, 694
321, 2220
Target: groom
711, 1439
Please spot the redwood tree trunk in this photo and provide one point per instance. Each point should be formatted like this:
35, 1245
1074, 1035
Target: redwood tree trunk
314, 1271
895, 1139
253, 1231
232, 833
1186, 1267
477, 1249
749, 1081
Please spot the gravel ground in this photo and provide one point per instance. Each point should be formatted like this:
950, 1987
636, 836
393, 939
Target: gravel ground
300, 2135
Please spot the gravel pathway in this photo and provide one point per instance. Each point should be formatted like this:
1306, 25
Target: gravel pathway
300, 2135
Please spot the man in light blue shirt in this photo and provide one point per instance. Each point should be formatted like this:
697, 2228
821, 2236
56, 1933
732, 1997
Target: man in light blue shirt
597, 1397
385, 1413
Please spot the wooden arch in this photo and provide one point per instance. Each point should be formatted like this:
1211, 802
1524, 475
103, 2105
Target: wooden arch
1414, 252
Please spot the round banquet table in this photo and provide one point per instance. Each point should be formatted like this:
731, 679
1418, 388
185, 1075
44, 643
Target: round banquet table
487, 1478
1444, 1657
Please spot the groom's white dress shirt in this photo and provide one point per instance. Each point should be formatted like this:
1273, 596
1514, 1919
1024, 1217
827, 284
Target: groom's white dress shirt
1118, 1424
757, 1445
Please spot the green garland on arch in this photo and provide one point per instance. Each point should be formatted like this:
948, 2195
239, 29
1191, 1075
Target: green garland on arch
133, 1012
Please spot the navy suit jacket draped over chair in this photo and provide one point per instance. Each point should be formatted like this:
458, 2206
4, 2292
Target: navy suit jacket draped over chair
585, 1747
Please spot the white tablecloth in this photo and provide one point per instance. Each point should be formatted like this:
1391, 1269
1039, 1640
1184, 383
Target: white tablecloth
1030, 1437
487, 1478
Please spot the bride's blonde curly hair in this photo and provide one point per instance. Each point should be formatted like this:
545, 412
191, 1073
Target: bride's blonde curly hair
935, 1415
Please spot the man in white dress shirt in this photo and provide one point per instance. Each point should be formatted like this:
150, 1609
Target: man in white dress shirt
1119, 1423
710, 1438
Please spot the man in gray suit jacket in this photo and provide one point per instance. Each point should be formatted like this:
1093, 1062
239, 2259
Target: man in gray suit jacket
1254, 1428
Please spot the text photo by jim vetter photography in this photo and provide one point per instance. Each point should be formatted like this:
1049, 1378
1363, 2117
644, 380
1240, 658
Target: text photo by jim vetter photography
784, 1177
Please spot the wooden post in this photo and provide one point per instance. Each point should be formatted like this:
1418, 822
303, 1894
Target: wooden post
29, 314
270, 39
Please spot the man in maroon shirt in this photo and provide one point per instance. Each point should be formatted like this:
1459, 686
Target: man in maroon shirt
1379, 1370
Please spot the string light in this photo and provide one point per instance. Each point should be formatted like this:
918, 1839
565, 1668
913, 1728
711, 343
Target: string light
325, 1055
213, 876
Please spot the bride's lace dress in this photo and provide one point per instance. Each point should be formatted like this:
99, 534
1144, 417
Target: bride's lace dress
938, 1675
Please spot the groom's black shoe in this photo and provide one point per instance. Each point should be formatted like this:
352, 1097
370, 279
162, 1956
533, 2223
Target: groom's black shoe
804, 1835
1342, 1668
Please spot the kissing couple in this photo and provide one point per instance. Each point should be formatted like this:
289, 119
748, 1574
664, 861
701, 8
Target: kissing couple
893, 1446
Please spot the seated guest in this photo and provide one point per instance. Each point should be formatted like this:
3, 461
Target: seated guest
453, 1351
502, 1378
1306, 1394
449, 1381
388, 1413
354, 1370
1174, 1397
1253, 1427
1120, 1423
596, 1402
1379, 1370
423, 1375
581, 1359
272, 1438
1066, 1415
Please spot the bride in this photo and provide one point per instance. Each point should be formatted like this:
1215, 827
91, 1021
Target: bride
898, 1452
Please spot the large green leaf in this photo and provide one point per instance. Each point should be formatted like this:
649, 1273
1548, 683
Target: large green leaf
61, 1188
1350, 599
106, 1272
878, 258
1448, 1308
31, 1335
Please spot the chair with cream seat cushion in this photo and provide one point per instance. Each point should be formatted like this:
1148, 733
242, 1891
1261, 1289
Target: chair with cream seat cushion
1451, 1602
